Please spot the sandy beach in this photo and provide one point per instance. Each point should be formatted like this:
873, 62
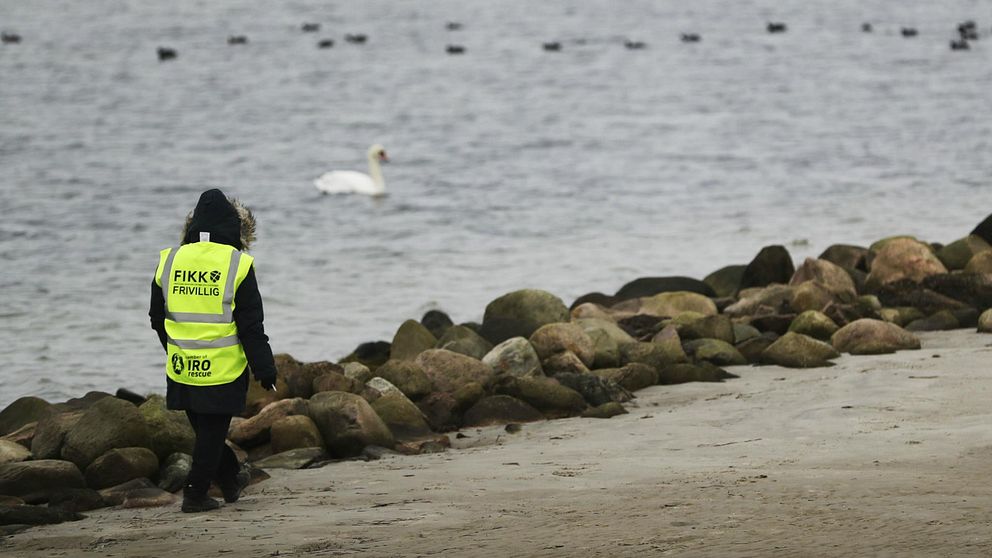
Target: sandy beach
877, 456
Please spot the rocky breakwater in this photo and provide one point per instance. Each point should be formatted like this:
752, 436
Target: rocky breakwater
531, 358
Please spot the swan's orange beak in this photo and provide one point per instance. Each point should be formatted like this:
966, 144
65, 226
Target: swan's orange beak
383, 157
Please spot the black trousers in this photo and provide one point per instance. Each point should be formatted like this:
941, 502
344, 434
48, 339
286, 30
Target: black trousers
212, 459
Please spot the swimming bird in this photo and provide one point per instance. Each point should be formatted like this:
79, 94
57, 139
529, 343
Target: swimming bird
237, 40
356, 38
310, 27
325, 43
777, 27
867, 27
909, 32
10, 38
691, 38
552, 46
453, 26
165, 53
455, 49
634, 45
352, 182
961, 44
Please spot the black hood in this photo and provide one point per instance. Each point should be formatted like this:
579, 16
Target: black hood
227, 220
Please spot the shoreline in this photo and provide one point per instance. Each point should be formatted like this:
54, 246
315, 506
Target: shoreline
881, 454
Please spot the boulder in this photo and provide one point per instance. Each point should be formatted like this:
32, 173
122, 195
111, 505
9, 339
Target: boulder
607, 326
25, 434
121, 465
985, 322
594, 299
607, 351
972, 289
115, 495
36, 515
773, 299
715, 351
43, 475
846, 256
441, 411
347, 423
872, 337
843, 314
301, 383
566, 361
76, 500
752, 348
814, 324
773, 264
448, 371
632, 377
110, 423
743, 332
938, 321
258, 397
980, 263
515, 357
500, 409
462, 340
257, 429
908, 293
726, 281
332, 381
701, 372
12, 452
50, 434
381, 387
410, 340
650, 286
709, 327
656, 354
604, 411
674, 303
810, 295
594, 389
408, 376
956, 255
169, 432
544, 394
984, 229
902, 258
148, 498
795, 350
22, 411
403, 418
642, 327
550, 339
520, 314
358, 372
830, 275
436, 322
173, 471
372, 354
294, 432
775, 323
594, 312
297, 458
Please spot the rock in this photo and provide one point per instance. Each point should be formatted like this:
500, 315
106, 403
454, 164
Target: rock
843, 314
110, 423
515, 357
846, 256
500, 409
594, 389
595, 312
655, 354
701, 372
410, 340
795, 350
520, 314
173, 472
148, 498
301, 383
441, 411
130, 396
829, 275
773, 264
299, 458
258, 397
408, 376
294, 432
50, 434
76, 500
956, 255
980, 263
403, 418
333, 381
256, 430
775, 323
674, 303
607, 351
25, 434
985, 322
462, 340
550, 339
115, 495
650, 286
372, 354
121, 465
972, 289
773, 299
715, 351
810, 295
22, 411
902, 258
36, 515
908, 293
7, 501
814, 324
726, 281
382, 387
565, 361
939, 321
642, 327
743, 332
347, 423
12, 452
594, 299
873, 337
436, 322
984, 229
607, 326
448, 371
632, 377
43, 475
436, 444
546, 395
358, 372
752, 348
605, 411
709, 327
169, 432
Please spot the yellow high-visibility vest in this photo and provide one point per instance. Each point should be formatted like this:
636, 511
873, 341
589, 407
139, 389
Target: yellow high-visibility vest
198, 283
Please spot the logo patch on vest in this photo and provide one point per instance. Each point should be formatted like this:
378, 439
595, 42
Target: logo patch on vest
195, 283
177, 364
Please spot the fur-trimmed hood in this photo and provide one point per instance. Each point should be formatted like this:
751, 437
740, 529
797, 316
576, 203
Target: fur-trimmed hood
226, 219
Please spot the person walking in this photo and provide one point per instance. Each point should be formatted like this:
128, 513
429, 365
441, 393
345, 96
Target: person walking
207, 311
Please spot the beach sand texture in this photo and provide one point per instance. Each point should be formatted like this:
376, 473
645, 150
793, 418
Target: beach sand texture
883, 455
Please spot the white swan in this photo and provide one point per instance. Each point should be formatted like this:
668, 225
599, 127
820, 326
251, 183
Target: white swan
352, 182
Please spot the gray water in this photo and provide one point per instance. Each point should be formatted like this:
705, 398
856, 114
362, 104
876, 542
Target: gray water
511, 167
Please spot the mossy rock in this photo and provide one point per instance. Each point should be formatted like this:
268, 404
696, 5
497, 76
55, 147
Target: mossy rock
462, 340
520, 314
633, 377
22, 411
168, 431
410, 340
795, 350
500, 409
408, 376
715, 352
814, 324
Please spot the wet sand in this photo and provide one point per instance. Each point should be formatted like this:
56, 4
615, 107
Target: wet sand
878, 456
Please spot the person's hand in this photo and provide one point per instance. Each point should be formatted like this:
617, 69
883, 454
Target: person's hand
269, 384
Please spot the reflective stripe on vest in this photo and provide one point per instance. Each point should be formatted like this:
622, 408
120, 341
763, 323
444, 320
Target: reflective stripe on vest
225, 317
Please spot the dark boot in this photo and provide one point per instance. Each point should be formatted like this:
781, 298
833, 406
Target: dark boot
195, 501
231, 488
